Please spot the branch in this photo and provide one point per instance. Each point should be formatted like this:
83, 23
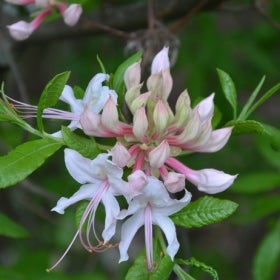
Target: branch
118, 20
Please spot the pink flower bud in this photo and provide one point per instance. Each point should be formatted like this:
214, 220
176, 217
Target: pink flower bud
132, 75
158, 155
160, 61
20, 30
132, 94
174, 182
141, 100
137, 181
72, 14
205, 108
110, 117
120, 155
140, 123
210, 180
161, 116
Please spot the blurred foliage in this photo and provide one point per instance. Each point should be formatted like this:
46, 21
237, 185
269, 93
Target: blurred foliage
240, 42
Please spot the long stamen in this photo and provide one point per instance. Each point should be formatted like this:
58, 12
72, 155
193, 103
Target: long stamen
65, 253
149, 236
30, 111
89, 214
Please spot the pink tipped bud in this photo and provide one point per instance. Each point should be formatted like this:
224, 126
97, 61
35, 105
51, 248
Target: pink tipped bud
158, 155
205, 108
140, 123
210, 180
72, 14
132, 94
160, 61
137, 181
132, 75
174, 182
120, 155
110, 117
161, 116
141, 100
20, 30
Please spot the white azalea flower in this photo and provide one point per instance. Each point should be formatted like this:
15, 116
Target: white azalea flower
152, 206
101, 181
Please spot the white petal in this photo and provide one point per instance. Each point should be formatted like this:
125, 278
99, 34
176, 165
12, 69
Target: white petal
216, 141
169, 230
68, 97
85, 192
129, 229
112, 209
78, 166
205, 108
174, 205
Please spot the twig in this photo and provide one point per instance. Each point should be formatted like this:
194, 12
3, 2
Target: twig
188, 16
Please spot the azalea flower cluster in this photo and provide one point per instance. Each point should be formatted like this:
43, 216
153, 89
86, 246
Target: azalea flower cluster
21, 30
145, 148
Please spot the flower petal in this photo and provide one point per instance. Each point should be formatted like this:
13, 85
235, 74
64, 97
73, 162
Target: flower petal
85, 192
129, 229
169, 230
210, 180
112, 210
78, 166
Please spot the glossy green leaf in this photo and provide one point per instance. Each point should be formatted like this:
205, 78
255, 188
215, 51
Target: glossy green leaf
244, 113
267, 259
85, 146
25, 159
10, 229
138, 271
229, 90
265, 96
256, 182
200, 265
204, 211
246, 127
50, 95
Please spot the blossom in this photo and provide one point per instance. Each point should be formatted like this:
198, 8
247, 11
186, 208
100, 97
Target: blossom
21, 30
101, 181
95, 98
152, 206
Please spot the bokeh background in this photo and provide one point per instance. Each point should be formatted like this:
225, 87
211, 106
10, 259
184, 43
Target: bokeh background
240, 37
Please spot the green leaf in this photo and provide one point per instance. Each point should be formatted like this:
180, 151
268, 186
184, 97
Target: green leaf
50, 95
24, 159
163, 270
119, 74
256, 208
256, 182
10, 229
229, 90
248, 126
204, 211
267, 95
267, 259
86, 147
138, 271
244, 113
194, 262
